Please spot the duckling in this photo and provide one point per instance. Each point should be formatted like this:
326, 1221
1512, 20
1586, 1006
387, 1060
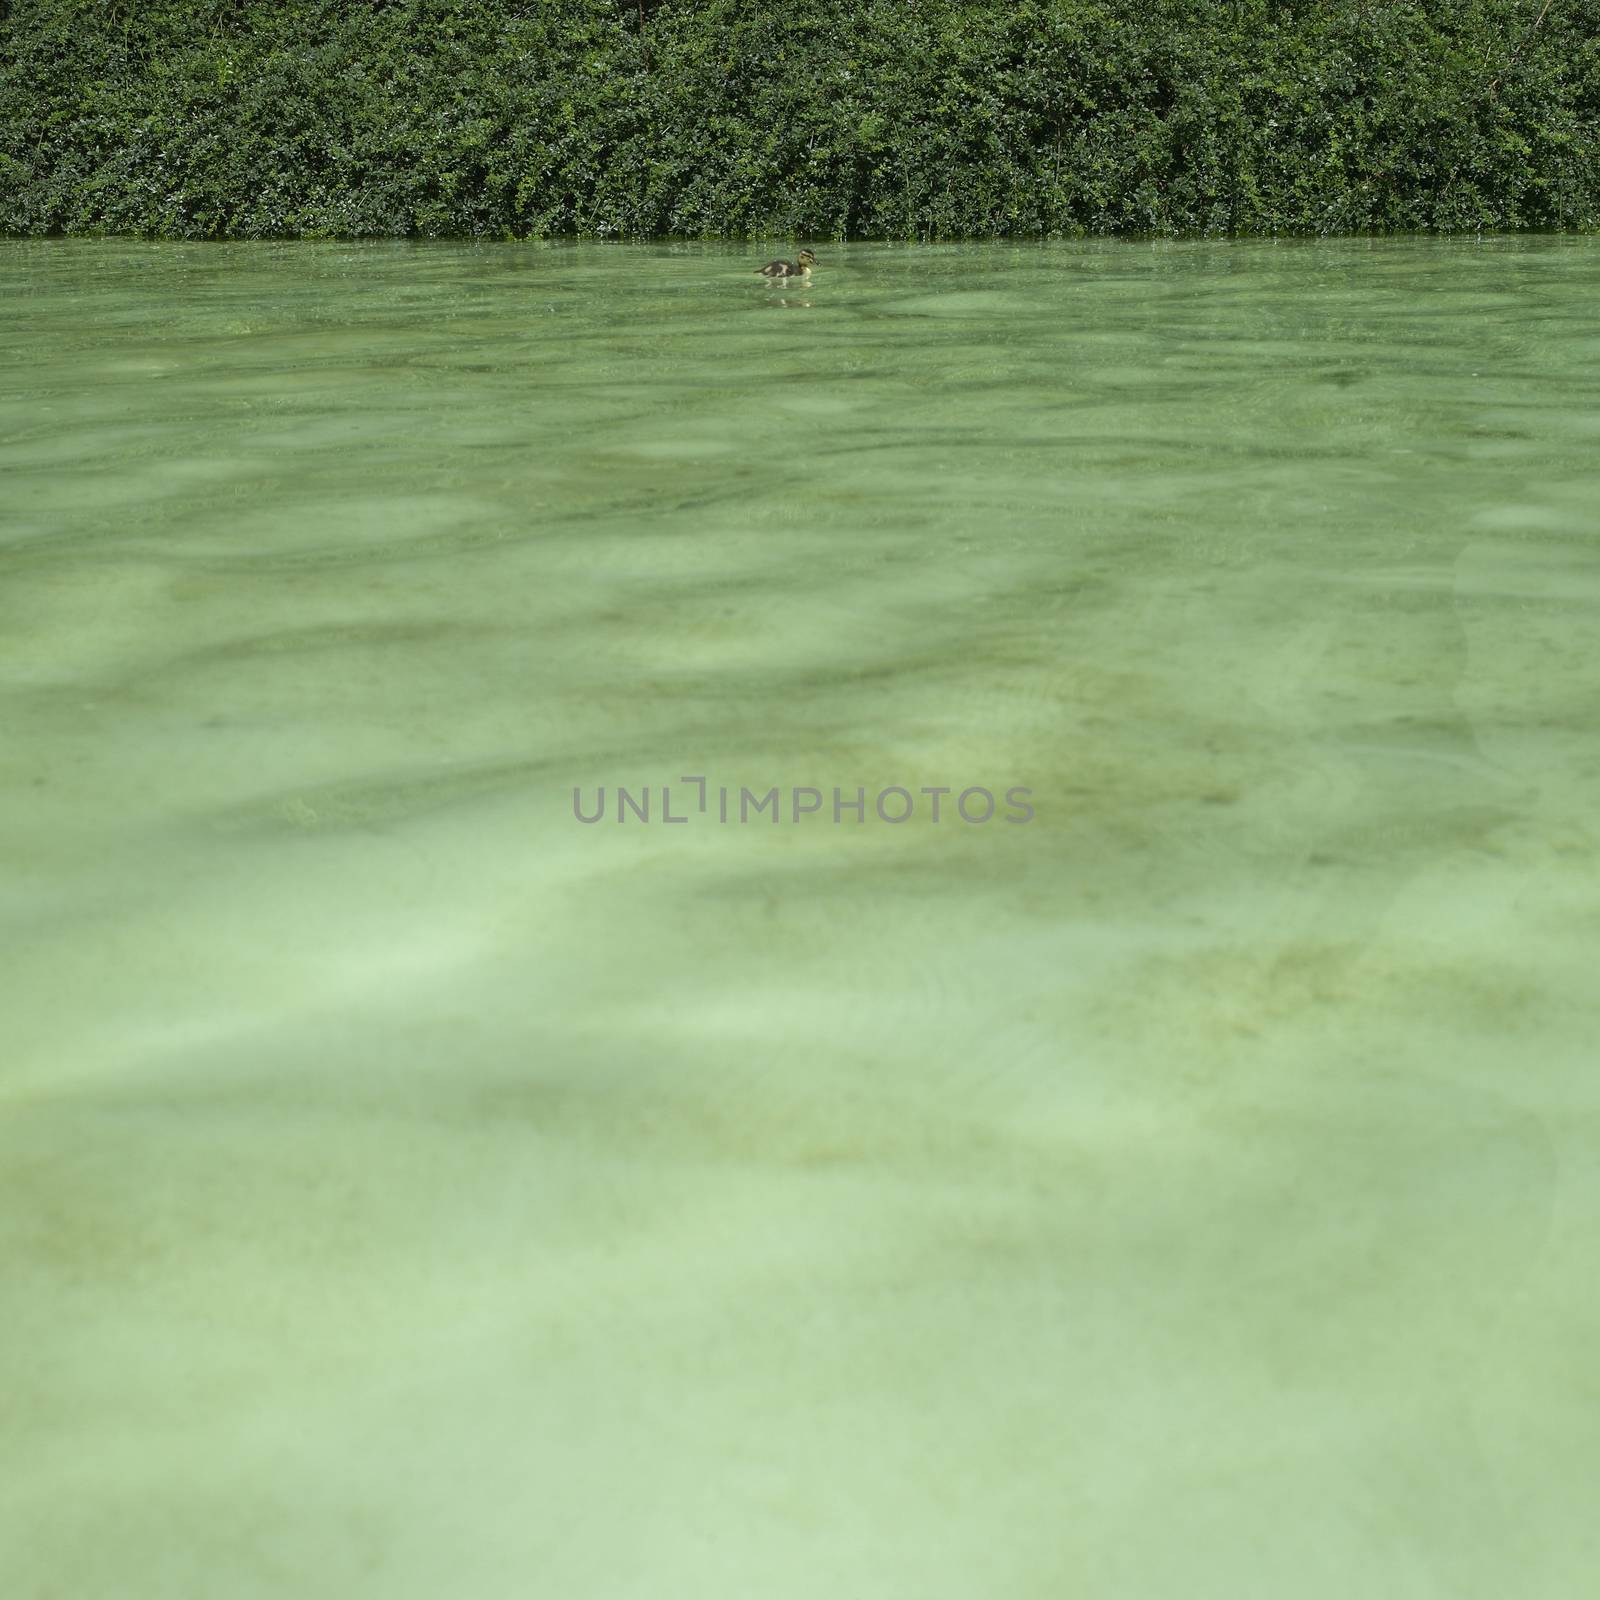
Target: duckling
789, 269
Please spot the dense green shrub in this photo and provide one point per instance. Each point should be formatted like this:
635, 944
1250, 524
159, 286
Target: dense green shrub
883, 118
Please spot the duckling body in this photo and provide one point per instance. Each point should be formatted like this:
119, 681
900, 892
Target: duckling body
800, 268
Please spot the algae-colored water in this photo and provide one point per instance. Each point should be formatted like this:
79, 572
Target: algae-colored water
407, 1189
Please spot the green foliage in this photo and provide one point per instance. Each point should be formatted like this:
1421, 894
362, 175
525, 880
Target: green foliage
883, 119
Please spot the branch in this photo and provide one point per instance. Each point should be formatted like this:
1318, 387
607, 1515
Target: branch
1495, 81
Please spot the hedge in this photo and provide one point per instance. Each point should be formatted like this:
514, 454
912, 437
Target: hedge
727, 118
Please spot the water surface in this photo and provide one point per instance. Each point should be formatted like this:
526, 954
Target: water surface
407, 1189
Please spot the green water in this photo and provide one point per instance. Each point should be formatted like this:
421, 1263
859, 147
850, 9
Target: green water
407, 1189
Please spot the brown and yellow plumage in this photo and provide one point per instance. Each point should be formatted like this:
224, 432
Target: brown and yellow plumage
800, 268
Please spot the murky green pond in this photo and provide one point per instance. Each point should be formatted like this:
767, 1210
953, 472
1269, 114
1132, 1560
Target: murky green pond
1180, 1184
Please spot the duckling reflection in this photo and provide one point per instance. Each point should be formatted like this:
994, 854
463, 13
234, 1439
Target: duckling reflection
798, 268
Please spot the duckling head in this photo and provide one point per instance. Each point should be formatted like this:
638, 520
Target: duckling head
806, 259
